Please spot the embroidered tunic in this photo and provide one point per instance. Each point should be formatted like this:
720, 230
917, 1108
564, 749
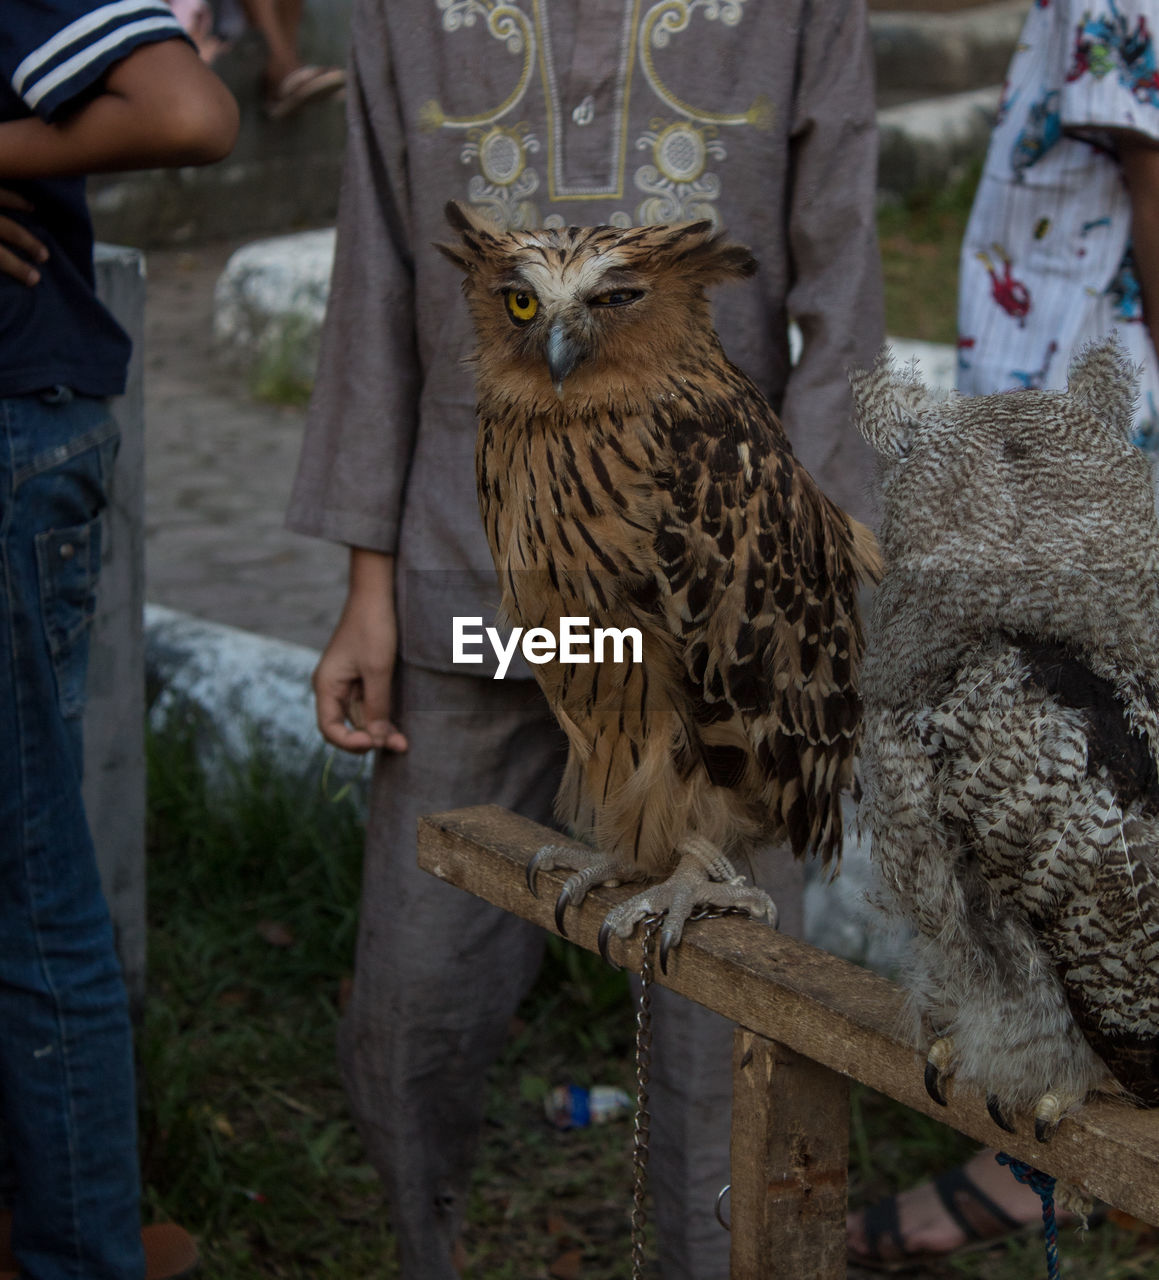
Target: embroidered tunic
561, 113
1046, 262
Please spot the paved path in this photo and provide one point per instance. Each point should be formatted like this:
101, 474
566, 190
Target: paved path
218, 471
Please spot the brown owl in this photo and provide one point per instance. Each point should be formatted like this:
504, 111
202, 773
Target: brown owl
1012, 732
629, 474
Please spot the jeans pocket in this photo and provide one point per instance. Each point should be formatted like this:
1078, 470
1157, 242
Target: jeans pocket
69, 562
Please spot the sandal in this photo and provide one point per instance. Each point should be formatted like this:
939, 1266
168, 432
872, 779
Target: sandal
302, 85
170, 1252
981, 1221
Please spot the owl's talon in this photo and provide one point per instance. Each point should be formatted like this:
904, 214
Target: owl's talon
561, 905
603, 939
939, 1069
1048, 1115
998, 1115
933, 1083
670, 937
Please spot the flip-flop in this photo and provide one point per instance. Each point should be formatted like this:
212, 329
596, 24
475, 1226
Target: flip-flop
302, 85
981, 1221
170, 1252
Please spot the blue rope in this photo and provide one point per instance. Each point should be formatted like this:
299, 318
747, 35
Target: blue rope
1043, 1184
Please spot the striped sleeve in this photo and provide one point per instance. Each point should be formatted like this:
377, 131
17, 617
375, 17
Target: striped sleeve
53, 51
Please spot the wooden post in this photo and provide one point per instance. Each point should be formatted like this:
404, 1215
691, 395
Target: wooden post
114, 725
790, 1161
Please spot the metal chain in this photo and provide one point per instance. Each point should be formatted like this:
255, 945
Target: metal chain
643, 1120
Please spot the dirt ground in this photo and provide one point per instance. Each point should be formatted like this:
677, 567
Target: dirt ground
219, 466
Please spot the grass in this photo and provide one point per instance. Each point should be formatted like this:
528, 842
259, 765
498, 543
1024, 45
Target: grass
253, 888
246, 1138
920, 238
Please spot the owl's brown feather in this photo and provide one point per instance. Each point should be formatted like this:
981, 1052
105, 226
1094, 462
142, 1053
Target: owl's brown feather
659, 491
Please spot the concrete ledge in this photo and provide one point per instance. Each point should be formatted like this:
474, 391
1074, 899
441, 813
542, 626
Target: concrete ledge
927, 144
269, 304
921, 54
244, 690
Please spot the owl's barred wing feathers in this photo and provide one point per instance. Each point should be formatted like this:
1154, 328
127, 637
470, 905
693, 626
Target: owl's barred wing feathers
1056, 801
1011, 752
759, 575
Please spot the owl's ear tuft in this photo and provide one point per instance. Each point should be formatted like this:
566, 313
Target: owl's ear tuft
888, 405
1106, 383
696, 250
476, 233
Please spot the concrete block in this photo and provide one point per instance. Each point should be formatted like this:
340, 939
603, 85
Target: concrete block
114, 725
243, 691
269, 303
919, 55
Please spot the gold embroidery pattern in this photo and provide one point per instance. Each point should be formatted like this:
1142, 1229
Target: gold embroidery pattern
504, 184
670, 17
677, 184
505, 22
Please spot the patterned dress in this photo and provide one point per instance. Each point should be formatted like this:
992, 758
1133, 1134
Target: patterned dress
1046, 262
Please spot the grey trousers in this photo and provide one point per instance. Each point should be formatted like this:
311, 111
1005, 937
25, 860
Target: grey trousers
439, 973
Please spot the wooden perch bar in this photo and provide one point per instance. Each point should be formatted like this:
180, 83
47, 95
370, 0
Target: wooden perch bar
815, 1005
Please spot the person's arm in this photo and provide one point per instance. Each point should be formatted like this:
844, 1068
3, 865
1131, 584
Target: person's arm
361, 428
352, 684
1140, 160
160, 105
835, 292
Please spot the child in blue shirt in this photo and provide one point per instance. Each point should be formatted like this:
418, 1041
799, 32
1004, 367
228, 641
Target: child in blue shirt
84, 87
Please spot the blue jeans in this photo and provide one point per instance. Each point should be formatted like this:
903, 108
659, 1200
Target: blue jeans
67, 1102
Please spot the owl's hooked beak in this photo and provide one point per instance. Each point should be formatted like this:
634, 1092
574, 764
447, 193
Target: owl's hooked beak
563, 353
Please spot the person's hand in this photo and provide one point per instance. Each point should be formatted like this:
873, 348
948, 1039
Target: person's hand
19, 248
352, 683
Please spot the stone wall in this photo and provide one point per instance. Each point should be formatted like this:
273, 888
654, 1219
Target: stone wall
282, 176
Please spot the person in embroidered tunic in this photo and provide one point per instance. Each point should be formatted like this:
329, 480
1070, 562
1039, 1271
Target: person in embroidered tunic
759, 118
1062, 246
83, 87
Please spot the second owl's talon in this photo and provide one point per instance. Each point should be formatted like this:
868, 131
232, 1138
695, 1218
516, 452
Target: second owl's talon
933, 1083
1048, 1115
1044, 1130
939, 1069
998, 1115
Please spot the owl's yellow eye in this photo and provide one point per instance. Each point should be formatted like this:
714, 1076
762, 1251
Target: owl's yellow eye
616, 298
522, 305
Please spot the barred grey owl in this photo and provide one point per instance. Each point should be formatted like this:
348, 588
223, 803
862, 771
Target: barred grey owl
1011, 693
